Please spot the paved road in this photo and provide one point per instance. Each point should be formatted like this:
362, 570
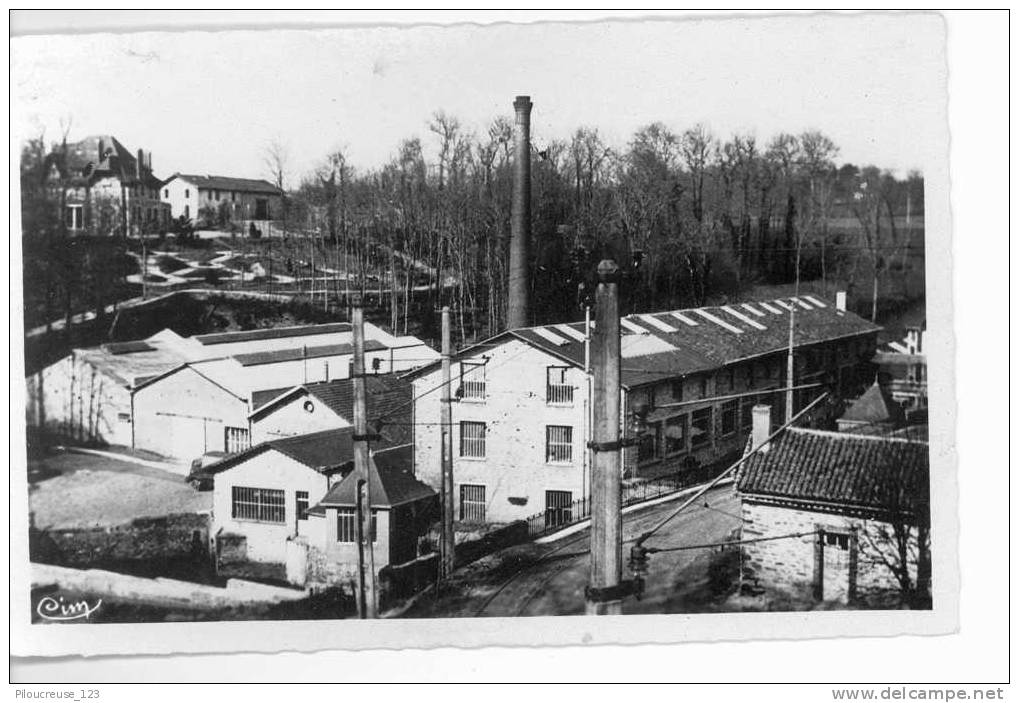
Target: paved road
550, 579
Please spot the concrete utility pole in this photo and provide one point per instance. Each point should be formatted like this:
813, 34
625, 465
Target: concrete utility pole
448, 542
790, 367
367, 598
519, 289
604, 593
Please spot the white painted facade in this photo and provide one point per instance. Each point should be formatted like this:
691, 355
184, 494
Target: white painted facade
75, 399
300, 413
270, 469
185, 414
186, 198
514, 471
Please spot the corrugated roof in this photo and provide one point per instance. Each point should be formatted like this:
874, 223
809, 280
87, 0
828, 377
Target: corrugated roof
160, 354
272, 333
390, 482
880, 474
244, 185
703, 338
296, 354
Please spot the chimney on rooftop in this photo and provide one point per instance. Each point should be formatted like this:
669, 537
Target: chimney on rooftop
518, 294
761, 426
840, 300
138, 163
101, 153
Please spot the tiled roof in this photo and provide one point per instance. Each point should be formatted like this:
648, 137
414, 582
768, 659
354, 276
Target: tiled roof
878, 474
326, 451
875, 406
244, 185
388, 396
272, 333
116, 161
700, 339
390, 482
295, 354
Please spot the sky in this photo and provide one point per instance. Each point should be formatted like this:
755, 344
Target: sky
210, 102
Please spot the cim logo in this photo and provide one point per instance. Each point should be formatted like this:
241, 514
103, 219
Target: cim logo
50, 608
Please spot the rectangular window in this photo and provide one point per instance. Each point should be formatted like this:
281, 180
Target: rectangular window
124, 417
187, 192
346, 525
558, 508
838, 540
558, 444
675, 434
700, 428
233, 196
472, 439
649, 444
302, 505
166, 192
730, 409
557, 390
73, 217
472, 380
236, 439
703, 387
215, 194
258, 504
472, 503
677, 391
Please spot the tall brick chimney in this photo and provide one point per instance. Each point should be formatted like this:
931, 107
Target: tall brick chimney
518, 294
138, 163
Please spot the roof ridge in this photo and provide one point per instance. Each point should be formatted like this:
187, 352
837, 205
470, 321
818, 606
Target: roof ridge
852, 435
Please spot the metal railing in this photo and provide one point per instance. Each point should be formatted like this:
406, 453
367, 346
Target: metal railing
557, 517
559, 394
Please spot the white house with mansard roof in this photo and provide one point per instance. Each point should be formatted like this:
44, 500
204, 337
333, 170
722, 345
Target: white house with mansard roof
521, 416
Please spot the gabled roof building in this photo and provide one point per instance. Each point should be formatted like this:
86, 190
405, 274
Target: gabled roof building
690, 379
838, 517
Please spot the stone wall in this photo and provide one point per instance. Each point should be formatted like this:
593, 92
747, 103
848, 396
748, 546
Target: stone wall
184, 536
789, 566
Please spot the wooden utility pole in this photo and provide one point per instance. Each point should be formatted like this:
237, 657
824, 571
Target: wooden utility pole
604, 592
448, 542
367, 600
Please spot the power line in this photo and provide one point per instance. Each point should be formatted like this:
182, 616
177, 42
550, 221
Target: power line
711, 484
733, 543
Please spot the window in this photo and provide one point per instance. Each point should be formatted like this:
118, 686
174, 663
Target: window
677, 391
557, 390
558, 508
703, 387
730, 408
73, 217
302, 505
838, 540
675, 434
187, 211
166, 192
472, 439
215, 194
233, 196
187, 192
346, 525
558, 444
648, 446
472, 503
236, 439
258, 504
472, 380
124, 417
700, 428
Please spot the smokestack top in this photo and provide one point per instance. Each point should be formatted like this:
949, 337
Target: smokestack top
608, 271
522, 102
